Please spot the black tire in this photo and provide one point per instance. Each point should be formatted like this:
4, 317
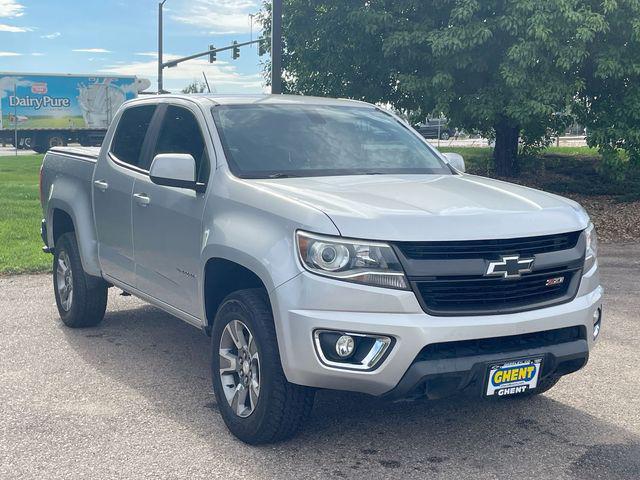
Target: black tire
444, 135
55, 141
282, 407
89, 298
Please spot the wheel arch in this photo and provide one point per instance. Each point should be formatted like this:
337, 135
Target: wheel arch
223, 276
74, 215
61, 223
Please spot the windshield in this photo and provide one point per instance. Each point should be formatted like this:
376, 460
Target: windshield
271, 141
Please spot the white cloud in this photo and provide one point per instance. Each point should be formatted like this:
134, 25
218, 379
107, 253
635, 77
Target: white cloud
14, 29
11, 9
148, 54
9, 84
9, 54
37, 54
51, 36
217, 16
219, 74
91, 50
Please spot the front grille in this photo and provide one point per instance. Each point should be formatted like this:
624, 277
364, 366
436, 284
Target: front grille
500, 345
488, 248
485, 295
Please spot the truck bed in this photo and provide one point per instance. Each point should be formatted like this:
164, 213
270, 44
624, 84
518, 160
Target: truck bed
83, 153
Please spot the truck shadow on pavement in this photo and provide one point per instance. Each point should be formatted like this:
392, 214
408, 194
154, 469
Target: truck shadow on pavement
351, 435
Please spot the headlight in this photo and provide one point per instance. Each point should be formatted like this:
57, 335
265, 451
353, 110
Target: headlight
592, 247
370, 263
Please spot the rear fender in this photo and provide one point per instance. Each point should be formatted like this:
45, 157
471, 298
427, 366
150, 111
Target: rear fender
66, 195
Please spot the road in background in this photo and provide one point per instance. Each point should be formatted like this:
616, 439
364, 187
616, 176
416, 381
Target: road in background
10, 152
131, 399
483, 142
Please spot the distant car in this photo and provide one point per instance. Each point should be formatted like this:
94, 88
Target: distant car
435, 128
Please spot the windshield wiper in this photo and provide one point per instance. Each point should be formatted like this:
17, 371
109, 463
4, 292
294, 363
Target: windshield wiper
282, 175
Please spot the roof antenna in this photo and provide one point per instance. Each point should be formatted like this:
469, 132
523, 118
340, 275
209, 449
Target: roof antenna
206, 81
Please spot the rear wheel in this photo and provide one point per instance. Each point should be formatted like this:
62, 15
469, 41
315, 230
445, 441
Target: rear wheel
55, 141
81, 303
444, 135
256, 401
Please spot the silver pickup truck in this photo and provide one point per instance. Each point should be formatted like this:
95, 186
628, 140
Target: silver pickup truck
321, 244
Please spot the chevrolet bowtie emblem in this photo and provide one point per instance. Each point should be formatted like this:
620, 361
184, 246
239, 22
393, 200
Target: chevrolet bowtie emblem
511, 266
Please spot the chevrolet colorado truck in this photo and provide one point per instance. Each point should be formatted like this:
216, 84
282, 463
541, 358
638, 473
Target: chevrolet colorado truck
321, 244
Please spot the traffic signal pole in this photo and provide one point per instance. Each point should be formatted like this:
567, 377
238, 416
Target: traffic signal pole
276, 49
174, 63
160, 65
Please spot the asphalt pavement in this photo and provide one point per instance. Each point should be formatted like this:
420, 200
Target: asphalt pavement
132, 399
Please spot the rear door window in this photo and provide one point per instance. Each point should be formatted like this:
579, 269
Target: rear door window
129, 137
180, 133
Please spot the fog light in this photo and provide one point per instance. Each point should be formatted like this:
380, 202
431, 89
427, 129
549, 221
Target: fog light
350, 350
345, 346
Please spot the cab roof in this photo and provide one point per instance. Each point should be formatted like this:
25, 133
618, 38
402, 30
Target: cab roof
234, 99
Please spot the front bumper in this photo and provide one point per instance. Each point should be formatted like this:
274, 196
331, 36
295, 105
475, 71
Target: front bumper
438, 378
309, 302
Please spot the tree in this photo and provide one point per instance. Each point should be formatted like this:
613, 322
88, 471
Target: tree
505, 69
195, 86
609, 104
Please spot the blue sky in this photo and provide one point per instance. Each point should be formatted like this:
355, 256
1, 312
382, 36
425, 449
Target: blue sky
120, 37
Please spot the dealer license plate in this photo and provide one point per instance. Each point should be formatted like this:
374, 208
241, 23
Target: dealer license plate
513, 377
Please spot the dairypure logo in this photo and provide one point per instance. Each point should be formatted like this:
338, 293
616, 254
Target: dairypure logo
37, 103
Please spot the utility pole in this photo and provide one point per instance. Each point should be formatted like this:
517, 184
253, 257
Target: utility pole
160, 65
276, 46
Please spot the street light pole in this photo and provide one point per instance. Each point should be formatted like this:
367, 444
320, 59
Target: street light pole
160, 87
276, 46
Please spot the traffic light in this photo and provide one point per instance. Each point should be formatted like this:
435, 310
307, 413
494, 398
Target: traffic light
262, 46
236, 50
212, 54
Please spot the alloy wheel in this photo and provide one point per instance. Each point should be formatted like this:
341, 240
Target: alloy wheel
64, 281
239, 368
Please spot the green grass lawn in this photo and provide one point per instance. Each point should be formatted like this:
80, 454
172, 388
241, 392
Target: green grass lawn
20, 214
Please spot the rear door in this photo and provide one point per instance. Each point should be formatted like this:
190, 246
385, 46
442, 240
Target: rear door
113, 181
167, 225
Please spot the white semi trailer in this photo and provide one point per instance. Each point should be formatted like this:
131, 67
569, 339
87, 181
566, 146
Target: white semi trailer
43, 110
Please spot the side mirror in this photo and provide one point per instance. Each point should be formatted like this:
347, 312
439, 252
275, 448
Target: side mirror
455, 160
174, 170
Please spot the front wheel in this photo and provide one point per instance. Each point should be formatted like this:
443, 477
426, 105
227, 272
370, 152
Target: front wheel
256, 401
80, 303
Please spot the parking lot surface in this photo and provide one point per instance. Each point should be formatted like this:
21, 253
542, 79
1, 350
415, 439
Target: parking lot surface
131, 399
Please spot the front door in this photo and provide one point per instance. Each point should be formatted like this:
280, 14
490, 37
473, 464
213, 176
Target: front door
167, 221
113, 181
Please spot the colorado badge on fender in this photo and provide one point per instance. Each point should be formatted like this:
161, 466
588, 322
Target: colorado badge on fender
513, 377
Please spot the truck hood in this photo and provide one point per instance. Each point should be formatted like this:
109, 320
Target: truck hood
432, 207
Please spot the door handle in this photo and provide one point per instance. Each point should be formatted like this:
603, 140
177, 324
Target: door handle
142, 199
101, 185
